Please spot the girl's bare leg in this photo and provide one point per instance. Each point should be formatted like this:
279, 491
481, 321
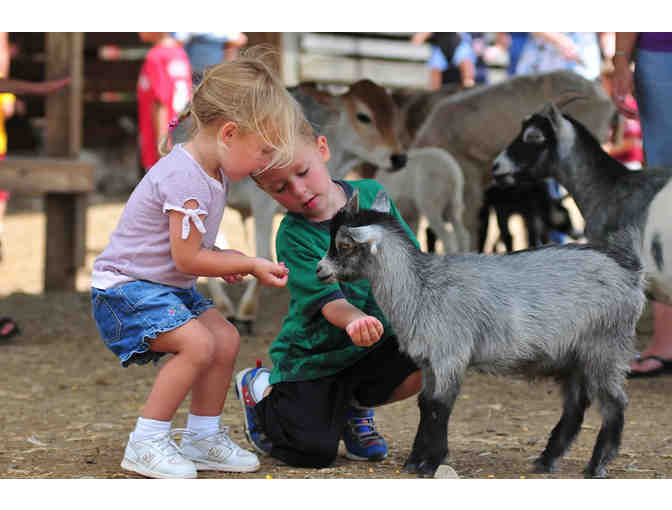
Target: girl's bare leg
194, 348
210, 388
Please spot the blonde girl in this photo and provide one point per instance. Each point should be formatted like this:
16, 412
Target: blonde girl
144, 300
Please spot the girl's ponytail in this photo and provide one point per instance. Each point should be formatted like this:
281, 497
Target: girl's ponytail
166, 143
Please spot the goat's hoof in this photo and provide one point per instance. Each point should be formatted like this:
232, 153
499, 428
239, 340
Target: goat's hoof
422, 468
542, 465
596, 472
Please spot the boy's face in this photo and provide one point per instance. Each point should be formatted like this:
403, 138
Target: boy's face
305, 186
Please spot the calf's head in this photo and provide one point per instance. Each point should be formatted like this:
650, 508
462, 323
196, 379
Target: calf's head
545, 140
363, 121
372, 117
355, 240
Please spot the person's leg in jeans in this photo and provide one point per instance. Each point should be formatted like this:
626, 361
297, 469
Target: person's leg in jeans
653, 89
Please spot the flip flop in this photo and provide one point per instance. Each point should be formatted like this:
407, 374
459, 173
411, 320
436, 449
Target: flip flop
665, 368
12, 332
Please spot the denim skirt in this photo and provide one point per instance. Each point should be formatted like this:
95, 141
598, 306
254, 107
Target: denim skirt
128, 316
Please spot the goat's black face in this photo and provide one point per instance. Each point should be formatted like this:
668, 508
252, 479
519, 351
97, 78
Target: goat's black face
529, 155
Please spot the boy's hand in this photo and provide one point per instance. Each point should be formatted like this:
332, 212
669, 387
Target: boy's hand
269, 273
365, 331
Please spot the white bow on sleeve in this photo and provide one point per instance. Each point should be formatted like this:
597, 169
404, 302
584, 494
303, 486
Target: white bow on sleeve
192, 214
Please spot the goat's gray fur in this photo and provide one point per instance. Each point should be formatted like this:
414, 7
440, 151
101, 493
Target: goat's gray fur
564, 311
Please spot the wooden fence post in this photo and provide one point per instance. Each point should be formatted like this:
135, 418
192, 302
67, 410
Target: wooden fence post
66, 212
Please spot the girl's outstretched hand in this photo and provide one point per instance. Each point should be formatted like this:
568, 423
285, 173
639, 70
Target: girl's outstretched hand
270, 273
365, 331
233, 278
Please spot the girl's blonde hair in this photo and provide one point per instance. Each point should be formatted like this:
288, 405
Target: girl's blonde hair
246, 91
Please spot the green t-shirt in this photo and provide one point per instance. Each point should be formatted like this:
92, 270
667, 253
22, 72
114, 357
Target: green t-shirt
308, 346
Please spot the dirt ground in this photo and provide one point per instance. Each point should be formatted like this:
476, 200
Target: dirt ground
67, 406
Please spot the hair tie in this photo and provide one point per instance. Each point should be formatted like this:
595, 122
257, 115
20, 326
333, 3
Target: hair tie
172, 124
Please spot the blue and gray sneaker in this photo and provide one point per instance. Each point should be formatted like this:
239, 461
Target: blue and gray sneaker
362, 441
254, 433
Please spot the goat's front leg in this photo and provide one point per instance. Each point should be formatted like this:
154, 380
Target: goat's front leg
430, 446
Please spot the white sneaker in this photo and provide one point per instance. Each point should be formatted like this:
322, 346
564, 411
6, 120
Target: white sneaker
157, 457
218, 452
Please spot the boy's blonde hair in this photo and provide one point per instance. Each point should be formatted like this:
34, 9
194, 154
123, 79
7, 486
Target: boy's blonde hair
304, 132
246, 91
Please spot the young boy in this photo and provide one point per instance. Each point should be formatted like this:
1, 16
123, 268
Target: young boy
336, 355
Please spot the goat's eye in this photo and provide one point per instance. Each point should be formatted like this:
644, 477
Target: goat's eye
363, 118
346, 248
533, 135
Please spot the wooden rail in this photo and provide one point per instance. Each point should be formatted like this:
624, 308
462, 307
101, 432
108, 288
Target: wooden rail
46, 175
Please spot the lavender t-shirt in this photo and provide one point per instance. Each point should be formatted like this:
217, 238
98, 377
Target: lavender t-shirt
139, 248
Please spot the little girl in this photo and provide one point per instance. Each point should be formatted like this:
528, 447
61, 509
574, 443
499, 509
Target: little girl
143, 293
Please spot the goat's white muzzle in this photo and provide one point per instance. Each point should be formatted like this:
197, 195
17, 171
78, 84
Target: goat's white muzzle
503, 170
326, 271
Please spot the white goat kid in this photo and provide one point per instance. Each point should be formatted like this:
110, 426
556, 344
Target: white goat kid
360, 125
431, 185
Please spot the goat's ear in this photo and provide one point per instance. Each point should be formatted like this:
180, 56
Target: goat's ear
352, 205
381, 203
368, 234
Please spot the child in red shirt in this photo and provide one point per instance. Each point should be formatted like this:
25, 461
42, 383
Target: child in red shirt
164, 88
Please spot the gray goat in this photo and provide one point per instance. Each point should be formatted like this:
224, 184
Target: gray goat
565, 311
608, 194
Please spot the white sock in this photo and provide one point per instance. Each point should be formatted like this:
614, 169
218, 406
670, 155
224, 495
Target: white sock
146, 427
259, 385
203, 426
